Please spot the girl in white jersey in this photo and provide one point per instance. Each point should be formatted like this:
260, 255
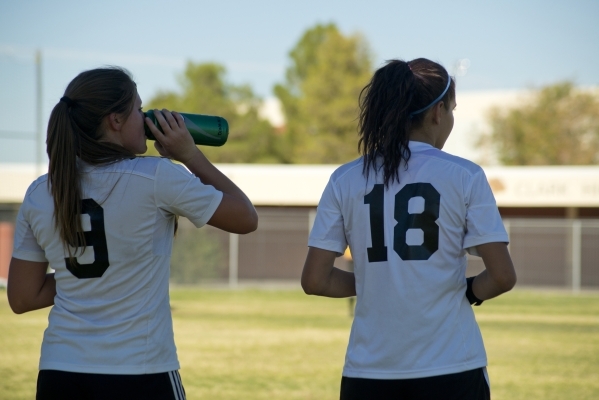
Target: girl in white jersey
103, 220
409, 214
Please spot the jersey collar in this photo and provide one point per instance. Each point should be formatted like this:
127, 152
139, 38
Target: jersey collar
419, 146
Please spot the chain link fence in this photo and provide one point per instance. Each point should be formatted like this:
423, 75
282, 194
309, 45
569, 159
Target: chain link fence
557, 253
547, 252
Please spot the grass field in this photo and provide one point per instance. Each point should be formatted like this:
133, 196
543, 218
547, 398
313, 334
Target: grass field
282, 344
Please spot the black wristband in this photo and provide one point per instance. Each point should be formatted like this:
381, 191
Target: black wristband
470, 294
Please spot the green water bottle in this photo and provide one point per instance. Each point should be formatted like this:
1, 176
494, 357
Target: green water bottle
206, 130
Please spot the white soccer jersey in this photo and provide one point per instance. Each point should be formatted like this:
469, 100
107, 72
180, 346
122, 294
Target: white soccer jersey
408, 244
111, 313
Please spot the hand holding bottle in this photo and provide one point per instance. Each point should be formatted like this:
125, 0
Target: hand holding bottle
173, 140
206, 130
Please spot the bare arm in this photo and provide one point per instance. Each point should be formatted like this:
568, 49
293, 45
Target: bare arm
321, 278
29, 286
236, 213
499, 275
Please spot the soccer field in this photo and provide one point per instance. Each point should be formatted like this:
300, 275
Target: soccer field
282, 344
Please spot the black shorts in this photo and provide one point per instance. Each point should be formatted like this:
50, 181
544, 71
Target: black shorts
55, 385
469, 385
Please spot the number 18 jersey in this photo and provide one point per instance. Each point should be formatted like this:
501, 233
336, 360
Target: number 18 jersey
409, 243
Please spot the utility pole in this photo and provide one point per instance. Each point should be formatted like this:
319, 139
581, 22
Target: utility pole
39, 156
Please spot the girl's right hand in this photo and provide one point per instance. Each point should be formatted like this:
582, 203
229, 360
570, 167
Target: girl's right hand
235, 213
175, 142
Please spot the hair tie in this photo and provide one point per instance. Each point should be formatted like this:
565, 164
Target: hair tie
436, 100
70, 103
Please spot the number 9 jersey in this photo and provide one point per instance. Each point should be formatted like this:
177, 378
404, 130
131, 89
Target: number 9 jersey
111, 313
409, 243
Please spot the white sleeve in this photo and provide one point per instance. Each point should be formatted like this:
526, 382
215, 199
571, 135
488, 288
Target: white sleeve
179, 192
25, 245
328, 232
483, 221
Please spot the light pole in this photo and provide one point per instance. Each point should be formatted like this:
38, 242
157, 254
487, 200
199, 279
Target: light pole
39, 156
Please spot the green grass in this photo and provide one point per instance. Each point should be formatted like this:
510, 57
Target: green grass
267, 344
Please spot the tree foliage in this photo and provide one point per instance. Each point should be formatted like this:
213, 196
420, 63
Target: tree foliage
320, 95
204, 90
559, 126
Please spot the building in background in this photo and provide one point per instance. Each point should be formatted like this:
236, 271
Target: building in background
551, 214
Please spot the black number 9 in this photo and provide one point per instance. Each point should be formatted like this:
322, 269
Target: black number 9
95, 238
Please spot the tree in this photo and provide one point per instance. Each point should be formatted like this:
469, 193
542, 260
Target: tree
320, 95
204, 90
558, 126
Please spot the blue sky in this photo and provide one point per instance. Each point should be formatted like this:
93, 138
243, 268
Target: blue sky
510, 44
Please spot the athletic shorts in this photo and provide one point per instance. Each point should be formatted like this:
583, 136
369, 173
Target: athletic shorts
469, 385
60, 385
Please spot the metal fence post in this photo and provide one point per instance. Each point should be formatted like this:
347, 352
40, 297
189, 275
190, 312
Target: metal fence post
576, 255
311, 218
507, 226
233, 260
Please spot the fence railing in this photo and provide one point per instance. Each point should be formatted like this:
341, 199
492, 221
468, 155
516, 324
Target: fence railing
561, 253
553, 252
558, 253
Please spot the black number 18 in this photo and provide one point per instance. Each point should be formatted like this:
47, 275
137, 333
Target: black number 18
426, 221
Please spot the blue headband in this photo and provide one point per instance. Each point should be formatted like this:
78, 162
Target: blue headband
434, 101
